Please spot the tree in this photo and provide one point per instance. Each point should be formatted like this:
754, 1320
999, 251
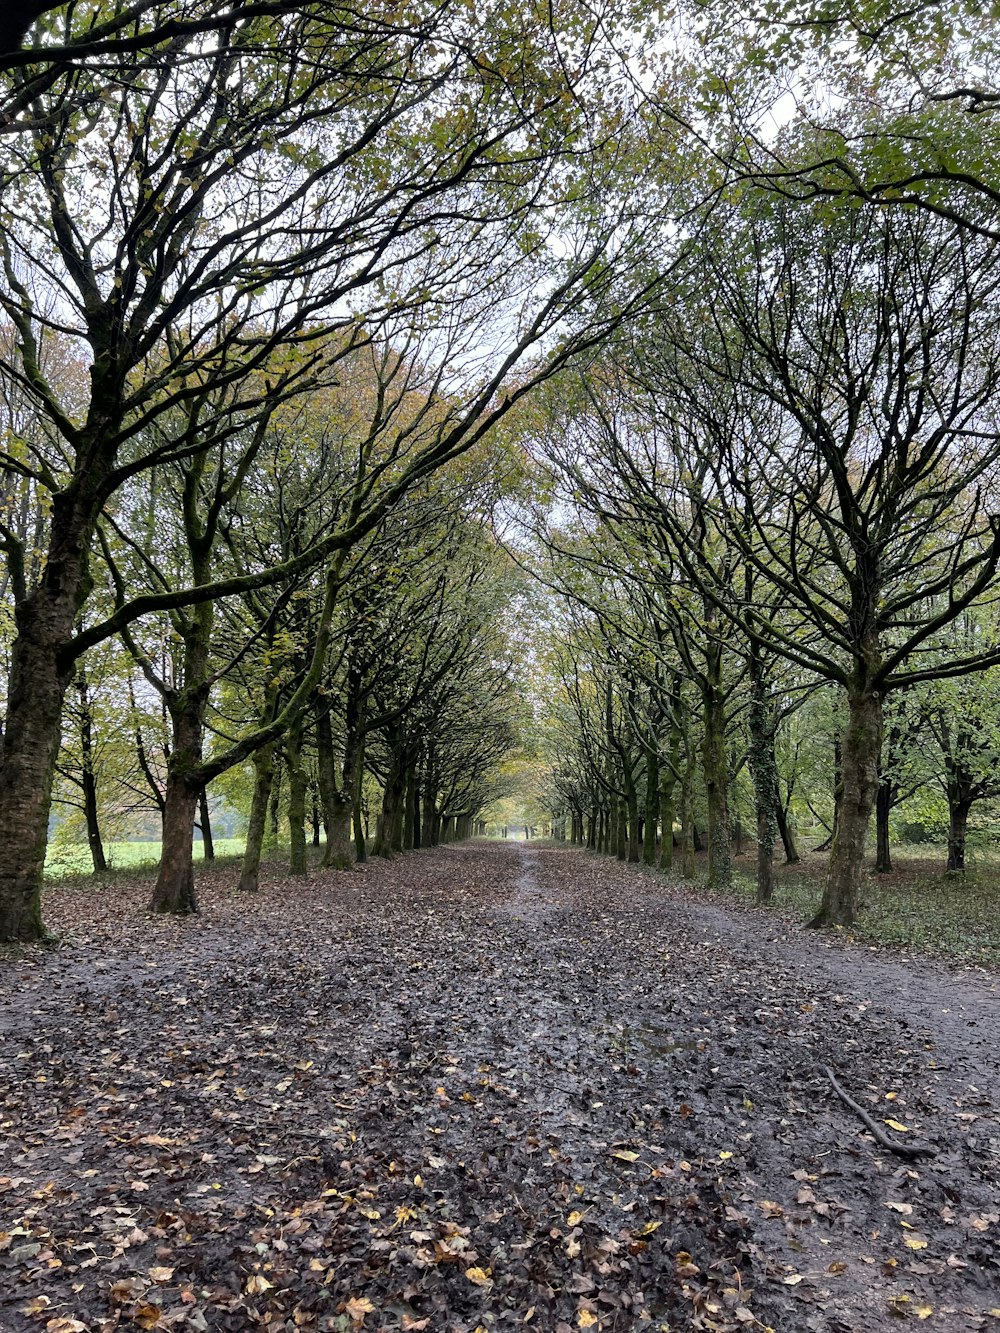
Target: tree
867, 504
243, 214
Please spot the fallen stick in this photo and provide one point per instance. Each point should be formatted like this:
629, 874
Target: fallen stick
908, 1151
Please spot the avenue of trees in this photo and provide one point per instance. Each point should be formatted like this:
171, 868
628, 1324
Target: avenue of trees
291, 292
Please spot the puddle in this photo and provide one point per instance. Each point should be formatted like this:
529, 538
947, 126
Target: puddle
659, 1041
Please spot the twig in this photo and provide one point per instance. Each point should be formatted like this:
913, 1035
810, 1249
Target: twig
900, 1149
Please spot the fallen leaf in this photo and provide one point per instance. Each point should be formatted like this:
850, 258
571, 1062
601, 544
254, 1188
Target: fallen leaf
479, 1276
585, 1319
356, 1307
257, 1284
894, 1124
626, 1156
915, 1242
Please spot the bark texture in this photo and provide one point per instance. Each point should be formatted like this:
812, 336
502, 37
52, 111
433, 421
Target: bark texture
859, 751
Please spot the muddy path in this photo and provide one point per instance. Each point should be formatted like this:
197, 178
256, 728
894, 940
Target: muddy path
485, 1087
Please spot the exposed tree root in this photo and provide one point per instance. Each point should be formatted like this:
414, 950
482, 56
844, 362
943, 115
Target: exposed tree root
908, 1151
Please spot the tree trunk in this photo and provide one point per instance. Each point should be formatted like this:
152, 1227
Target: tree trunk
263, 763
298, 785
36, 689
339, 853
326, 773
860, 749
411, 822
958, 824
205, 821
622, 839
632, 806
669, 774
785, 833
765, 856
174, 889
736, 830
397, 830
652, 807
88, 779
315, 818
668, 782
274, 813
360, 831
715, 764
687, 819
763, 771
390, 822
883, 804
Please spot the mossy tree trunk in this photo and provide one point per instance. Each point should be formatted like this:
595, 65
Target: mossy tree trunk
263, 763
298, 786
715, 767
860, 748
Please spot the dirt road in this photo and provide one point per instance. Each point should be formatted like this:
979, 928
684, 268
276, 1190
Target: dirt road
482, 1088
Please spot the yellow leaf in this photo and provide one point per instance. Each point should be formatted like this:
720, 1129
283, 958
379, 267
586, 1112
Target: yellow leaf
257, 1284
915, 1242
648, 1229
905, 1208
37, 1305
792, 1280
894, 1124
357, 1307
923, 1311
161, 1274
480, 1276
626, 1156
585, 1319
575, 1217
724, 1156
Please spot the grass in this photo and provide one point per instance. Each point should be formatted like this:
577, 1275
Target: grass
918, 906
74, 860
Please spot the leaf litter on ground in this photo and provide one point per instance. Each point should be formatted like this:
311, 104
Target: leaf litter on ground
478, 1088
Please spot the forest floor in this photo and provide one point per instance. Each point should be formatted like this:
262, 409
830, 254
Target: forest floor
487, 1087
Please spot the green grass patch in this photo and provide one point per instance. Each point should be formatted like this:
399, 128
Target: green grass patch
73, 860
918, 906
